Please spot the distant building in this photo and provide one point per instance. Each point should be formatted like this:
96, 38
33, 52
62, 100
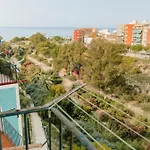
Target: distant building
109, 36
104, 31
146, 36
135, 33
89, 37
80, 33
128, 34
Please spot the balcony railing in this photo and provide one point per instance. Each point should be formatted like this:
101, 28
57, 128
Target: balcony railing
8, 74
11, 132
63, 120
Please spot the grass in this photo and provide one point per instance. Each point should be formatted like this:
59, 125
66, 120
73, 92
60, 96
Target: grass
141, 78
41, 59
146, 106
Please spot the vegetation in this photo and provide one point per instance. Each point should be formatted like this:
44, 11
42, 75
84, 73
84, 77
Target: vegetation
48, 86
103, 66
45, 48
17, 39
35, 39
69, 55
136, 48
25, 102
5, 68
57, 39
99, 133
5, 46
19, 52
5, 50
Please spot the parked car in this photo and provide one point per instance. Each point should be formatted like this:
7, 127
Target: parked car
143, 52
147, 53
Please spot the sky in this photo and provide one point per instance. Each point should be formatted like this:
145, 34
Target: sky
72, 13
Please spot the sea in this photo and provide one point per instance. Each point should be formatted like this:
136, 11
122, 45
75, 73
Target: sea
8, 33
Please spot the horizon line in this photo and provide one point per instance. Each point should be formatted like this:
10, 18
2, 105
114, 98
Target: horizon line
51, 27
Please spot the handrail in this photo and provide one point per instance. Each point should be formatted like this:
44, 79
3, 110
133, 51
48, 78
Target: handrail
12, 133
16, 138
39, 108
72, 128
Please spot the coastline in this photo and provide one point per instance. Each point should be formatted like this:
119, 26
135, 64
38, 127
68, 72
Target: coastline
10, 32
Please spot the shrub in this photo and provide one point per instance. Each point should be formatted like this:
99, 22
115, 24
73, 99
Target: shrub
72, 78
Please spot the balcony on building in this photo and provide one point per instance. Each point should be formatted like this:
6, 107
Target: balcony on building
137, 31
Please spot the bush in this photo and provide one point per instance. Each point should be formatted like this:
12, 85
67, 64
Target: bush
72, 78
146, 106
137, 48
40, 58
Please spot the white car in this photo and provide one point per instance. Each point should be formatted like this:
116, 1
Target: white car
143, 52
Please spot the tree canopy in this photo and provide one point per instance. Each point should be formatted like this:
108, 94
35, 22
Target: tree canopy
5, 46
35, 39
69, 55
45, 48
101, 64
17, 39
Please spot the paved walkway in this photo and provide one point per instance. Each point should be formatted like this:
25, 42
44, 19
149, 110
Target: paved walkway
40, 64
38, 131
138, 55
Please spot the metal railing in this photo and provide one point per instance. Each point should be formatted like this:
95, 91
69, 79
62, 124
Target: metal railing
8, 74
50, 108
12, 133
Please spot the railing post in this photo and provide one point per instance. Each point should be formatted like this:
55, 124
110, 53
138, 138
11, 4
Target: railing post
16, 73
72, 128
28, 121
49, 129
60, 135
26, 131
71, 141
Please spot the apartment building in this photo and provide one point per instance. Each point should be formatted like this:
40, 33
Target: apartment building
120, 32
134, 33
128, 31
80, 33
146, 36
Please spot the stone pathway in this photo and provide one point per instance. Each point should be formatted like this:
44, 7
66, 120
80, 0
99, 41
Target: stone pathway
38, 131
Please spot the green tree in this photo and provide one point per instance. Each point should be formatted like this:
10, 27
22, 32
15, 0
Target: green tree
101, 64
57, 39
35, 39
5, 46
45, 48
18, 39
15, 39
69, 55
